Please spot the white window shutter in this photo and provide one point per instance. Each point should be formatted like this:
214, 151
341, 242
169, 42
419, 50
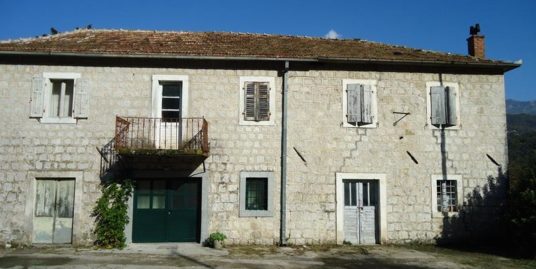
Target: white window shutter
263, 102
353, 103
249, 101
81, 99
451, 106
437, 105
367, 114
37, 98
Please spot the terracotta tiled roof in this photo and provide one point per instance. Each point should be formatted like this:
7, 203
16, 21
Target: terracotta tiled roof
220, 44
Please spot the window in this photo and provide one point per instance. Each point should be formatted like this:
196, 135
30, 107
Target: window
151, 194
447, 194
256, 194
170, 97
359, 103
59, 98
171, 100
443, 104
257, 101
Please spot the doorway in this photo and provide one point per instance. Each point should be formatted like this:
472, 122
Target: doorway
54, 209
167, 210
361, 200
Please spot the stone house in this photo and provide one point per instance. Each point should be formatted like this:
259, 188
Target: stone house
266, 138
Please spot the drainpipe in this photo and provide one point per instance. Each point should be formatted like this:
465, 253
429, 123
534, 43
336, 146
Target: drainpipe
283, 219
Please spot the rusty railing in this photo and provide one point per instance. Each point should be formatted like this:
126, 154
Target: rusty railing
186, 135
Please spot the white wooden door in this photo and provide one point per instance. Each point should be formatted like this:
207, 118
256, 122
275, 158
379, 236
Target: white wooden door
54, 206
360, 205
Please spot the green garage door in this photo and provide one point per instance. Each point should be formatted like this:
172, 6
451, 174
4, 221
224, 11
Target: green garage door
167, 210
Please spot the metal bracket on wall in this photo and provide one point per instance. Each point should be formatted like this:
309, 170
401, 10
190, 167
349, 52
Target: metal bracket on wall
400, 113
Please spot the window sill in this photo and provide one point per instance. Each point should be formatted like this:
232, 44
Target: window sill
437, 214
256, 123
455, 127
256, 213
58, 120
366, 126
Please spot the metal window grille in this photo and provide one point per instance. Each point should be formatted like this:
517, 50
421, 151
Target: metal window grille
256, 194
447, 195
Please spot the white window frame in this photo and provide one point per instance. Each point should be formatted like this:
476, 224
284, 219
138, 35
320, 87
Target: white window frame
456, 87
374, 104
459, 194
48, 76
244, 175
271, 86
157, 93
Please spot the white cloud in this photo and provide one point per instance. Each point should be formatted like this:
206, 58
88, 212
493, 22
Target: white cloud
332, 35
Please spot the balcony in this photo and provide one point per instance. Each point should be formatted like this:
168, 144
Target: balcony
137, 136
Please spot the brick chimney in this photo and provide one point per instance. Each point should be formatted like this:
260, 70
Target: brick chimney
475, 42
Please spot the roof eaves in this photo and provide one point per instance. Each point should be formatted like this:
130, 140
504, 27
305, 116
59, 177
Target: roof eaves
505, 66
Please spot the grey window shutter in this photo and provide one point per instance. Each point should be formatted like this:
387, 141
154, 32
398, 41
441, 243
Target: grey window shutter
249, 101
81, 99
353, 103
37, 98
367, 116
451, 106
437, 105
263, 102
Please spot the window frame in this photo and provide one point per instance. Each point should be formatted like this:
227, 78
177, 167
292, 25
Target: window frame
459, 194
272, 90
244, 175
47, 88
373, 85
456, 87
157, 88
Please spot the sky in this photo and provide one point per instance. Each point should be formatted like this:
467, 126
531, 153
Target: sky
509, 25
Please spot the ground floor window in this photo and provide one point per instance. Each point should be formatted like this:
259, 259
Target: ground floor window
256, 194
447, 195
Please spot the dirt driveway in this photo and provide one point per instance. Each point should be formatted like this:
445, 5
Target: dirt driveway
194, 256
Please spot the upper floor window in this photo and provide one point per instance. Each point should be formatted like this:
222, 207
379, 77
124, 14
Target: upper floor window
257, 101
359, 103
443, 104
59, 98
170, 97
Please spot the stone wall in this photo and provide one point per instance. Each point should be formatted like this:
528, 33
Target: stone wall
29, 148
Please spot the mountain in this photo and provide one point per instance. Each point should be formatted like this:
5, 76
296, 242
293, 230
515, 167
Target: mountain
521, 124
520, 107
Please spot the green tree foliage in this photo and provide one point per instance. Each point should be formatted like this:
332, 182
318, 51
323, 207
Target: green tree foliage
522, 176
111, 214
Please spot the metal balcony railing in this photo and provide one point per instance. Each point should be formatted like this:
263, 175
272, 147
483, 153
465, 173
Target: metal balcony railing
176, 135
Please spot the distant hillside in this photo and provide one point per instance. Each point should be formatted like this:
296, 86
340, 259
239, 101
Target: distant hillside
521, 123
520, 107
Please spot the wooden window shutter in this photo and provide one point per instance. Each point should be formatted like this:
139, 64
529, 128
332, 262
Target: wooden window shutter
452, 118
37, 98
367, 116
437, 105
249, 101
81, 99
353, 103
263, 102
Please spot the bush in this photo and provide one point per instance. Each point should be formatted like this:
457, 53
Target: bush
217, 236
111, 214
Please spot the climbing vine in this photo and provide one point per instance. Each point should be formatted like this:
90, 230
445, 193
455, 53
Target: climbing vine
111, 214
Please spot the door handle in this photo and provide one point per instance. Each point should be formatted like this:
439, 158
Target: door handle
169, 213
